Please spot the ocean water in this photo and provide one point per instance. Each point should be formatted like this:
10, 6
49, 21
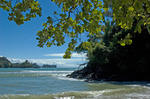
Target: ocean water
52, 83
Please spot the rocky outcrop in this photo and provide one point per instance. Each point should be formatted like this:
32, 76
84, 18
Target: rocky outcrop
5, 63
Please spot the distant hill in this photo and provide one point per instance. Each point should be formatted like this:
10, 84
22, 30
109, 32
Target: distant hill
49, 66
25, 64
5, 63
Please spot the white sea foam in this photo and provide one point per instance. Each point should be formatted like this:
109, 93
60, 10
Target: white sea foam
139, 95
58, 74
69, 97
31, 71
71, 79
141, 86
90, 94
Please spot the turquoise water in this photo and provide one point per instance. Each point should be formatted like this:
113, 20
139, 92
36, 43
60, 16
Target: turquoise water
38, 81
52, 83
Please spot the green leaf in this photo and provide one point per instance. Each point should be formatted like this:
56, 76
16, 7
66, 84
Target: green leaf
122, 44
131, 8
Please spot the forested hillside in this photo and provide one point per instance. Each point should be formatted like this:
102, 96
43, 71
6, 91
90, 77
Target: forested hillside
5, 63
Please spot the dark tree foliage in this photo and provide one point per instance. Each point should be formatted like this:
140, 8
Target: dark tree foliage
111, 61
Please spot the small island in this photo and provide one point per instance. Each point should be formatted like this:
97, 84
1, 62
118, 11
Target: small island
49, 66
5, 63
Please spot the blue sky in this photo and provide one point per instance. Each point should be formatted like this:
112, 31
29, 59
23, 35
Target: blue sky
19, 42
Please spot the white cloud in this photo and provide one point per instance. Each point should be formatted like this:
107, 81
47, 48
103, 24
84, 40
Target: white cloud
60, 62
56, 59
1, 56
74, 55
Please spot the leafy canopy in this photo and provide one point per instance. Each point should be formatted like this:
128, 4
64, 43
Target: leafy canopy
125, 12
21, 11
81, 16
